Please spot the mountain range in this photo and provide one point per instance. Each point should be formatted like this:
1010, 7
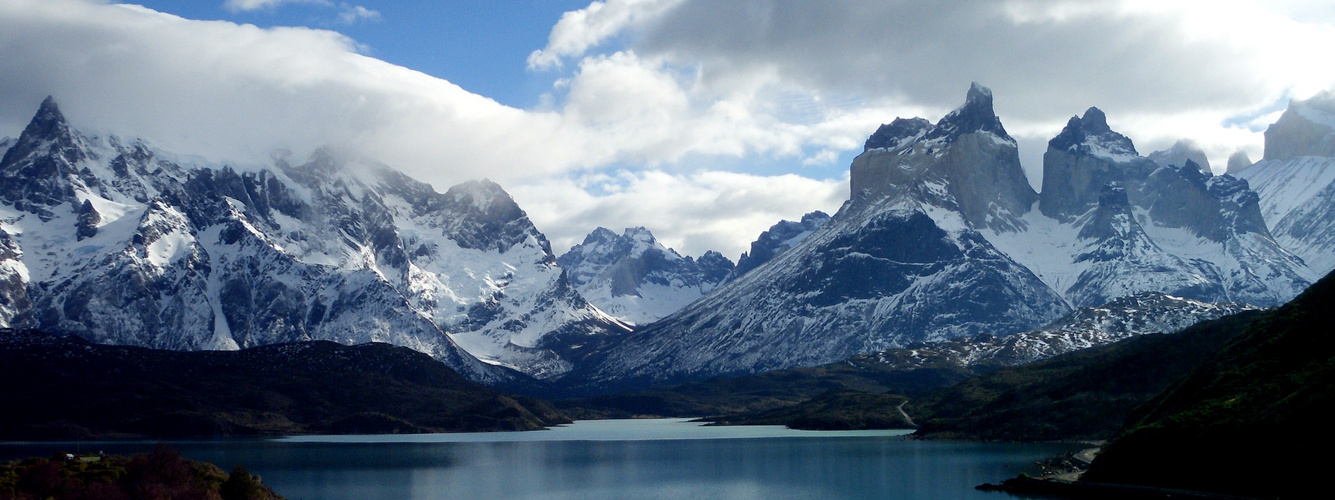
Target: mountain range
119, 242
943, 238
1296, 180
635, 278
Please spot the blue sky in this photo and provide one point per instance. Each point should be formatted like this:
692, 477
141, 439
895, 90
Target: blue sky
480, 45
706, 121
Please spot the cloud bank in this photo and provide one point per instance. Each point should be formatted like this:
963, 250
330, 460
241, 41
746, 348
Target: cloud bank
650, 98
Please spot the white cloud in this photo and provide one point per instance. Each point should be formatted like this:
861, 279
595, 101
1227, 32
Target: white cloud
660, 91
1045, 59
822, 157
248, 5
350, 14
238, 93
580, 30
691, 213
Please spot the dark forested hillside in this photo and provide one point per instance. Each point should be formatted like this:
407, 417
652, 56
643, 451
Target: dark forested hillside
61, 387
1085, 394
1253, 419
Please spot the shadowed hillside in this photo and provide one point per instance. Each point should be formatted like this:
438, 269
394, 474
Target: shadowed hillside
59, 387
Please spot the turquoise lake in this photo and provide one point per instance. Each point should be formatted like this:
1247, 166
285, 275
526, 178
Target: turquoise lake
608, 459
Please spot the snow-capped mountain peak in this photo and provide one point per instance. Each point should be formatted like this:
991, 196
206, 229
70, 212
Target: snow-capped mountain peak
1083, 158
966, 161
778, 238
1307, 128
1296, 180
1180, 153
635, 278
120, 242
974, 116
1090, 134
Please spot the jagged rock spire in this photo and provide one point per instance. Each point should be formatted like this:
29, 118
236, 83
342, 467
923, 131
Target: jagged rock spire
1084, 157
1307, 128
47, 127
40, 170
967, 152
976, 115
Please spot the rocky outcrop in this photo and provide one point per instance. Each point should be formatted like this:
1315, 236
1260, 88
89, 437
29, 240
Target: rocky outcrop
1119, 259
1211, 207
779, 238
1112, 223
635, 278
1307, 128
1179, 154
1296, 180
42, 168
966, 160
901, 262
1237, 162
1083, 158
1251, 265
15, 308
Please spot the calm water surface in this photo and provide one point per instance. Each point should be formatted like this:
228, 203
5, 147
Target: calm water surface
609, 459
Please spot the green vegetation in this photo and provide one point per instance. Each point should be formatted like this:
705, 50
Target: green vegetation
1251, 420
775, 390
66, 388
1086, 394
834, 410
159, 474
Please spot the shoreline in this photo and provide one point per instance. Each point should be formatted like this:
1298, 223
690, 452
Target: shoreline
1065, 482
1024, 485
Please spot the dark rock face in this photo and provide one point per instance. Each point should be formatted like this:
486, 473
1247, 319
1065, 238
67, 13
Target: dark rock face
1222, 209
714, 267
1113, 211
876, 276
15, 308
778, 238
1083, 158
1120, 259
41, 169
974, 116
600, 249
966, 159
86, 226
894, 134
1212, 207
486, 217
1182, 199
1307, 128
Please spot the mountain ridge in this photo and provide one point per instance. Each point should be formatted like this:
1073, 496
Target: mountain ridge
952, 196
144, 247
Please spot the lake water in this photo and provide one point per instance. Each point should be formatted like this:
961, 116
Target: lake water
609, 459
